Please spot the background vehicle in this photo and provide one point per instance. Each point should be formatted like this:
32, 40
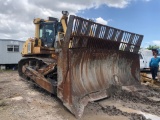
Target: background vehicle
81, 60
145, 57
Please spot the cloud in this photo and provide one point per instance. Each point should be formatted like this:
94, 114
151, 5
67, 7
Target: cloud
17, 15
102, 21
146, 0
156, 42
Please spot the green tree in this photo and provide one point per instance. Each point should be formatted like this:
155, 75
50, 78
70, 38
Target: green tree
150, 47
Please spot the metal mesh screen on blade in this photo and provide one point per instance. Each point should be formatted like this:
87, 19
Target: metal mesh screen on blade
88, 34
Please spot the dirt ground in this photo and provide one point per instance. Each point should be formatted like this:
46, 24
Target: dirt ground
19, 100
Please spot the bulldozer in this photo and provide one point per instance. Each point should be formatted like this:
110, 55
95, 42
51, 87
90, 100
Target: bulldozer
78, 59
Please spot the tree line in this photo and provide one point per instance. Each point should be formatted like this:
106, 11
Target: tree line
150, 47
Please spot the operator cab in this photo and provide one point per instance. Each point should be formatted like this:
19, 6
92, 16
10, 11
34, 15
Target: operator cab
47, 33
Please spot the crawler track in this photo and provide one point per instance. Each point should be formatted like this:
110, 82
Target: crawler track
42, 71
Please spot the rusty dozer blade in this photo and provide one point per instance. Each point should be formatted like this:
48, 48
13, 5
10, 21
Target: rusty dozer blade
98, 57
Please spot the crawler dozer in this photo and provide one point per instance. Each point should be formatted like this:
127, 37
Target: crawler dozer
78, 60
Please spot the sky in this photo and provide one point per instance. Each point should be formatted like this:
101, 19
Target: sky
138, 16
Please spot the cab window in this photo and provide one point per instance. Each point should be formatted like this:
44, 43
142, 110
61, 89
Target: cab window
47, 32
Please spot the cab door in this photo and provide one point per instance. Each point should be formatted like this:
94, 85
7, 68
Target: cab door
142, 61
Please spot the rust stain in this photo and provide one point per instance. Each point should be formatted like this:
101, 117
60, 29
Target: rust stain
99, 56
39, 79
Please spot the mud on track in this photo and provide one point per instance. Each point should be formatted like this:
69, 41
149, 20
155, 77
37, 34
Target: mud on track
19, 100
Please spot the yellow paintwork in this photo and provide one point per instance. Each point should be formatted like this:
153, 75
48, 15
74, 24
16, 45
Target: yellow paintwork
38, 48
37, 25
64, 25
36, 22
33, 48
